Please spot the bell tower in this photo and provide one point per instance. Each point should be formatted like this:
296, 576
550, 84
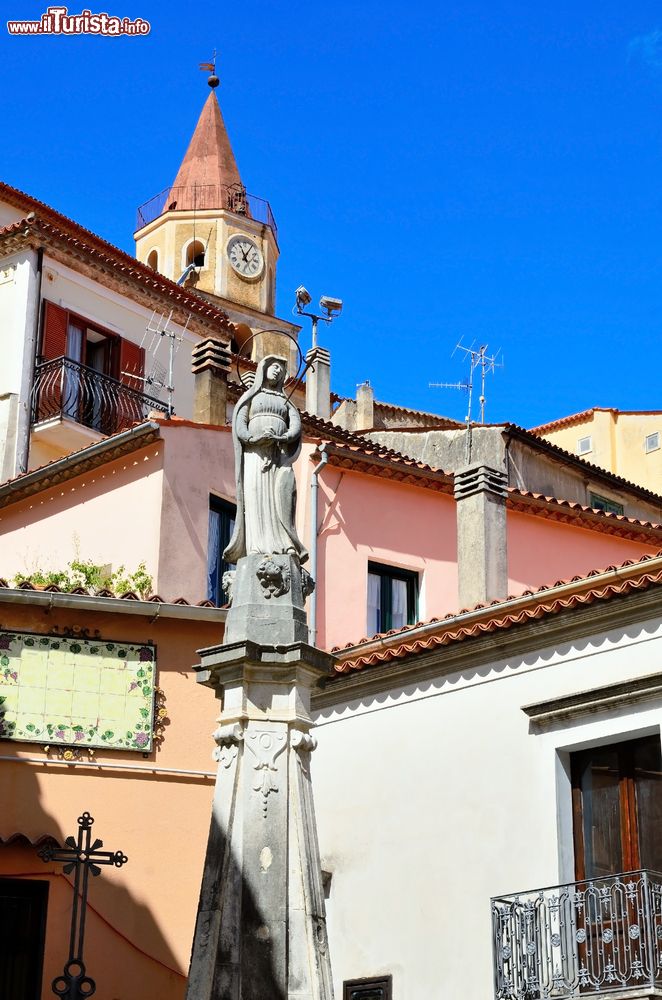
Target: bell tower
207, 232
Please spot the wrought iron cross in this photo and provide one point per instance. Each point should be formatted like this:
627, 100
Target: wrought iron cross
83, 857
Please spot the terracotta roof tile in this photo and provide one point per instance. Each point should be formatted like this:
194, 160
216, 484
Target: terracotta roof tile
572, 418
128, 595
88, 457
570, 510
52, 224
598, 585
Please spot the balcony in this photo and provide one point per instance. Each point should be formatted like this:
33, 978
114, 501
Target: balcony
597, 938
207, 197
73, 405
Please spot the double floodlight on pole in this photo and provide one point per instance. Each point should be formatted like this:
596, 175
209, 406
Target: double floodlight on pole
331, 308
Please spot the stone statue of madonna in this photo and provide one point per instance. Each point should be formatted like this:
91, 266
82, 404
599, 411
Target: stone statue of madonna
266, 432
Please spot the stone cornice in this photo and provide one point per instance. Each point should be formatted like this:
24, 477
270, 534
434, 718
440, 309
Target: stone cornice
602, 699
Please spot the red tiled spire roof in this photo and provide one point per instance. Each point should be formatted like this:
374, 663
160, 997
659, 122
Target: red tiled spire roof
209, 158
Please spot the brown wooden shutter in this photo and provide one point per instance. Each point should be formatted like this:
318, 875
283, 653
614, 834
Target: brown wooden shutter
132, 360
130, 410
54, 335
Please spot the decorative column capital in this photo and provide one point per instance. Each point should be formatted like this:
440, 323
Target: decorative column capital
302, 742
227, 738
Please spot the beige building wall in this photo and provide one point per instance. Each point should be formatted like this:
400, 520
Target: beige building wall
621, 441
171, 234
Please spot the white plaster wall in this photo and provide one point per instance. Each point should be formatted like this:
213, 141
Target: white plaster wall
433, 798
121, 315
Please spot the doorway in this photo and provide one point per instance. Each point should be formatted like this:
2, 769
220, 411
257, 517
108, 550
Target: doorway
23, 905
617, 808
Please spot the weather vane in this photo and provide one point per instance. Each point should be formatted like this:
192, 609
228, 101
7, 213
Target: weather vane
210, 67
478, 359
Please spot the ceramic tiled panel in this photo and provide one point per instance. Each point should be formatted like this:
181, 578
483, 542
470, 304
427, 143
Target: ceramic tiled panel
76, 692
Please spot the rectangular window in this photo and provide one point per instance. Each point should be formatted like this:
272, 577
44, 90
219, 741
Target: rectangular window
23, 906
584, 445
604, 503
221, 525
652, 442
392, 598
368, 989
617, 807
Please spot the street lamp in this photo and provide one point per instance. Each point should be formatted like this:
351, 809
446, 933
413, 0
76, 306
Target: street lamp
331, 308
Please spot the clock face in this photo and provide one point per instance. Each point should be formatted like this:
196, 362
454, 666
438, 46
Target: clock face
245, 256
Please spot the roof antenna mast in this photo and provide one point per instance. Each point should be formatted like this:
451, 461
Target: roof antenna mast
478, 359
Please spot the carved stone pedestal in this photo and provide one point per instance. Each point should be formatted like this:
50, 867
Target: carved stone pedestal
268, 596
261, 930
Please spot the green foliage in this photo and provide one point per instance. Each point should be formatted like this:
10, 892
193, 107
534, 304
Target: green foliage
91, 576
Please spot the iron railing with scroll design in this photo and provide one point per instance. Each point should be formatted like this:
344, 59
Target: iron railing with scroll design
203, 197
65, 388
581, 939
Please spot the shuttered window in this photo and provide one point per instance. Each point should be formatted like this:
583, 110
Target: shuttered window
132, 365
54, 336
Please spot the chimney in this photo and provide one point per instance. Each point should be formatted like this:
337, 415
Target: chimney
365, 407
318, 383
210, 361
482, 557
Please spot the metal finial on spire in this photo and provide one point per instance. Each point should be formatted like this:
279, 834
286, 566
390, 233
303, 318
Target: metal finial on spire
210, 67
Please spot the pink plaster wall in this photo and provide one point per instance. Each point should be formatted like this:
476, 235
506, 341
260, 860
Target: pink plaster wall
108, 515
542, 551
364, 518
199, 461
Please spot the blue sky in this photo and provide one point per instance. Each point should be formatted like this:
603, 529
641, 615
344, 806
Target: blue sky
489, 171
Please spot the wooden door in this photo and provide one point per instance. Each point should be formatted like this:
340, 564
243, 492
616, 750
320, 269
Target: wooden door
617, 808
617, 801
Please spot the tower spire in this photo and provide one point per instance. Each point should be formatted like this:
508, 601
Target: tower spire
209, 169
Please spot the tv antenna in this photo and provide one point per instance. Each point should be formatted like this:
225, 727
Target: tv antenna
479, 359
159, 376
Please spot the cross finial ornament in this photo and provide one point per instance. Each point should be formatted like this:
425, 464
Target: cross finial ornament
83, 857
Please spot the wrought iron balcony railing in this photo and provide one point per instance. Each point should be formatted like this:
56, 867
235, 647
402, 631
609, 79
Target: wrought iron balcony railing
203, 197
65, 388
581, 939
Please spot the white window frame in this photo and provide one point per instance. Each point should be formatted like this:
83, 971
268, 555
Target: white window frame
648, 445
584, 451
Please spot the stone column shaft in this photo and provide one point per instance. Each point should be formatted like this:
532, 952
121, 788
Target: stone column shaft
261, 929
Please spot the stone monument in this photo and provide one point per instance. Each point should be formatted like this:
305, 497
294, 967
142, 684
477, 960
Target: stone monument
261, 931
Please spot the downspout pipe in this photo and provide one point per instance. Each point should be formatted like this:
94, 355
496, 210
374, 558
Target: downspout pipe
314, 485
